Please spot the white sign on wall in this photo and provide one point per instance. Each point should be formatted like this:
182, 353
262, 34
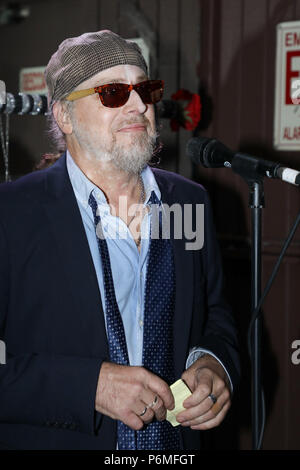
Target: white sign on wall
32, 80
287, 87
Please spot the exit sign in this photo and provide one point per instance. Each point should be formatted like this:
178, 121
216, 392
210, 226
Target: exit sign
287, 87
32, 80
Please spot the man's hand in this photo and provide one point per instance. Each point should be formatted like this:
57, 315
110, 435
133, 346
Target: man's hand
206, 376
123, 393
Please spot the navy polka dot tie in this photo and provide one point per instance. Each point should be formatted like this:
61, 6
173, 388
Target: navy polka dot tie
158, 328
158, 354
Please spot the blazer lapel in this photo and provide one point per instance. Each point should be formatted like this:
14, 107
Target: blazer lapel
72, 245
184, 266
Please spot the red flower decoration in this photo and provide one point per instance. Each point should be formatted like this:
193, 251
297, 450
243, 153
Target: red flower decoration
190, 110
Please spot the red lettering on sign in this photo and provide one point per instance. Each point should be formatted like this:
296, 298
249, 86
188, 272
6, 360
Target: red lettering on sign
292, 39
33, 81
291, 133
290, 74
288, 38
296, 39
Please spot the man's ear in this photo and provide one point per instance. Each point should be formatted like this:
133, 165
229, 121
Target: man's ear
62, 117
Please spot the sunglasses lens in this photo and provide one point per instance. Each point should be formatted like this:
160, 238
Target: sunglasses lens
150, 91
115, 95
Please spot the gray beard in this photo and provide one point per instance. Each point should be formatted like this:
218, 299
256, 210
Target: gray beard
131, 159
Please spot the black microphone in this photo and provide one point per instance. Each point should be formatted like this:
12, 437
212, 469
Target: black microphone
213, 154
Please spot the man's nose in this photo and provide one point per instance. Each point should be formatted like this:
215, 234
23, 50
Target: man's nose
135, 103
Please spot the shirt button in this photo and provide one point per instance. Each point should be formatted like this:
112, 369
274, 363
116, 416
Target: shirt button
141, 323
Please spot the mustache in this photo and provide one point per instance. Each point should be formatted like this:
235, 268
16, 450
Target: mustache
135, 120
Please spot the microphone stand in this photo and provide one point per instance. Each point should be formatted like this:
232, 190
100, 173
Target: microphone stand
213, 154
256, 204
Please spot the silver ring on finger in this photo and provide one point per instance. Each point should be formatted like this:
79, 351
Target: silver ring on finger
152, 405
144, 411
213, 398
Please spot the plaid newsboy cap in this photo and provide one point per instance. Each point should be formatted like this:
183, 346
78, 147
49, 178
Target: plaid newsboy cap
80, 58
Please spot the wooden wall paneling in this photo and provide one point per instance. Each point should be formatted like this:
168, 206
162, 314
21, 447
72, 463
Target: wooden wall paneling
151, 13
293, 208
282, 205
275, 9
293, 196
127, 26
293, 370
168, 71
297, 9
232, 191
252, 111
275, 215
109, 12
279, 11
219, 72
208, 67
243, 119
227, 115
278, 197
220, 64
208, 73
275, 350
189, 52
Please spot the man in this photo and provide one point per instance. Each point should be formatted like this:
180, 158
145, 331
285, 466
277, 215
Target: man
98, 314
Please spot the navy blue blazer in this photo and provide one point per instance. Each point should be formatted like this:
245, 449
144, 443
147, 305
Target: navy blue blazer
52, 321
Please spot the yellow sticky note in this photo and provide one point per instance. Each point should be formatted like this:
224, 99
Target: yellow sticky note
180, 391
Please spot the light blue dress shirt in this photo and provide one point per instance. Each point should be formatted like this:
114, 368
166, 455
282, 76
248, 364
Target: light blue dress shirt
128, 265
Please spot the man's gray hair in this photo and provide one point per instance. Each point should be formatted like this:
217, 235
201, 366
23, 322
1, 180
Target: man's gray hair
56, 135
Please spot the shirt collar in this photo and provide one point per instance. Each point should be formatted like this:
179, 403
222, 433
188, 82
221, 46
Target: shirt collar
83, 187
